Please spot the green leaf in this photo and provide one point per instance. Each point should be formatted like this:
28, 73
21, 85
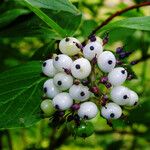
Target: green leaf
138, 23
123, 35
29, 28
59, 5
20, 95
51, 23
87, 27
11, 15
69, 22
32, 26
130, 71
45, 51
140, 114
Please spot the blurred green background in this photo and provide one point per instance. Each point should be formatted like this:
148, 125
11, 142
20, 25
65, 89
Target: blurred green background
19, 45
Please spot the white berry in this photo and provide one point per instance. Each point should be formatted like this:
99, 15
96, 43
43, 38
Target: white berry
62, 62
62, 101
106, 61
69, 46
50, 89
88, 110
47, 107
133, 98
79, 92
92, 49
48, 69
120, 95
111, 111
117, 76
81, 68
63, 81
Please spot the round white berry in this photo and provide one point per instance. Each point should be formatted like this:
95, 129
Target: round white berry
111, 111
62, 62
50, 89
106, 61
79, 92
69, 46
133, 98
63, 81
47, 107
62, 101
120, 95
81, 68
117, 76
92, 49
88, 110
48, 69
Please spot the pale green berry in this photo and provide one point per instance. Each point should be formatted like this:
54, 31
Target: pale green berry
47, 107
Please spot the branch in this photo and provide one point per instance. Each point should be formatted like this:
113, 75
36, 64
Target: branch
7, 133
117, 14
56, 142
1, 143
143, 58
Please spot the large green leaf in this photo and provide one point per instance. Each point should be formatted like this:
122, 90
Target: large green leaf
45, 51
20, 95
11, 15
140, 114
87, 26
138, 23
64, 5
69, 22
43, 16
32, 26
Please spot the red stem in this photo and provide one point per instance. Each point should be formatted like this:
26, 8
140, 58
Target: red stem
117, 14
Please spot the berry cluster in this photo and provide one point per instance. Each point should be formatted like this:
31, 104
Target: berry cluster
84, 80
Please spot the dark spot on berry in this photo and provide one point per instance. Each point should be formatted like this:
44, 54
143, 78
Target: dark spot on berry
125, 97
82, 93
56, 58
77, 66
135, 103
67, 39
110, 62
112, 115
59, 83
91, 48
56, 106
85, 117
123, 71
45, 90
44, 64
